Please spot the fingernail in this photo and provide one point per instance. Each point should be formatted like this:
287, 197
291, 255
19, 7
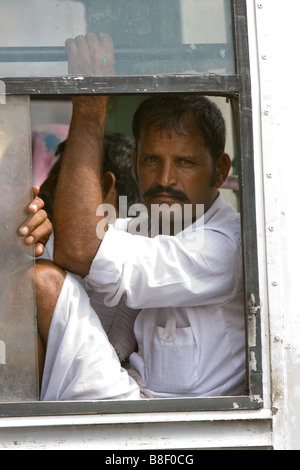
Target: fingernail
23, 231
39, 250
29, 240
34, 207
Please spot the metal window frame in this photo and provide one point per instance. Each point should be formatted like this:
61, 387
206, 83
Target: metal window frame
237, 88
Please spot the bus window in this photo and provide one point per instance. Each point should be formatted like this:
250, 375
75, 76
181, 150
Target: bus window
169, 37
18, 362
169, 46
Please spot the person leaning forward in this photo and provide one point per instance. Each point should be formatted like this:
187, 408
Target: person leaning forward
190, 326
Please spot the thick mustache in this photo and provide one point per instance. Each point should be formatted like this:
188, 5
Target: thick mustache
179, 195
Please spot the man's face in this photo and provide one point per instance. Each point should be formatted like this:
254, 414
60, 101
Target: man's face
175, 168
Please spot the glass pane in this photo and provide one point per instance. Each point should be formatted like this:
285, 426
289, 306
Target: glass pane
150, 37
18, 359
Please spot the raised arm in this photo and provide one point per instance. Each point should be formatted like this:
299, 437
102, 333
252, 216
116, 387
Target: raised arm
79, 190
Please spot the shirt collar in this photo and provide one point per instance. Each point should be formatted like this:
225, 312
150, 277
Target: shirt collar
217, 205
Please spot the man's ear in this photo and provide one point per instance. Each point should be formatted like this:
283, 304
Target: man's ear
223, 166
134, 164
109, 188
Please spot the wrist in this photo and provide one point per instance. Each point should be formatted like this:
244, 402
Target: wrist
90, 110
90, 105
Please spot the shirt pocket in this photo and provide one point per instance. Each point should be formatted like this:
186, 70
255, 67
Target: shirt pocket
172, 359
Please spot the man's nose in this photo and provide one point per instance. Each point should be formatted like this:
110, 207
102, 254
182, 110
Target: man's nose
167, 175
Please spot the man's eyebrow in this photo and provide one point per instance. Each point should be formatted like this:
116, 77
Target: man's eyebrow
158, 154
185, 156
150, 154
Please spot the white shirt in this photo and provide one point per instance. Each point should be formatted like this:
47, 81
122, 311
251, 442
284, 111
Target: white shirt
191, 329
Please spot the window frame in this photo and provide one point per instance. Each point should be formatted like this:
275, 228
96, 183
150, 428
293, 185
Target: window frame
236, 88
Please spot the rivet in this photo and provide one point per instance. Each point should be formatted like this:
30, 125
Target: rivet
271, 228
266, 112
264, 57
260, 5
269, 175
274, 284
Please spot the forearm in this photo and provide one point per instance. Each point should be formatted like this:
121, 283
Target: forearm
79, 187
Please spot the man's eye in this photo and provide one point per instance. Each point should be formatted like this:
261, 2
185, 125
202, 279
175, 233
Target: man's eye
185, 161
150, 159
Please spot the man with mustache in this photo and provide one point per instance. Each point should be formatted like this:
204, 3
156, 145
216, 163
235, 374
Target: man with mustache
190, 326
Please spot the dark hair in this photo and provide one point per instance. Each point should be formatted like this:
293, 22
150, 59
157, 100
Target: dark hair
116, 158
168, 112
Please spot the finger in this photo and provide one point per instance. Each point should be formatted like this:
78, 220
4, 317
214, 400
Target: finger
71, 48
98, 54
39, 249
72, 53
107, 46
81, 44
93, 42
106, 42
36, 205
35, 190
103, 53
84, 55
40, 234
32, 223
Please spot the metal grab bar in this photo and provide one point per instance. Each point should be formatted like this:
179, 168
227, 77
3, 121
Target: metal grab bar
58, 53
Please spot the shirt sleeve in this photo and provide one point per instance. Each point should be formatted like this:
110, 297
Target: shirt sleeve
166, 270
